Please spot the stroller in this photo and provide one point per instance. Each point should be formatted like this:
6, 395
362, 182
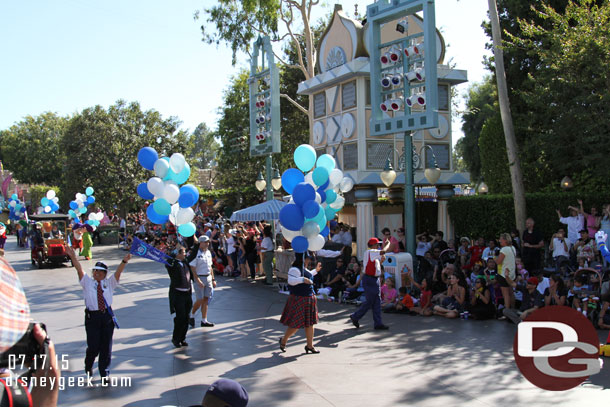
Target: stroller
590, 297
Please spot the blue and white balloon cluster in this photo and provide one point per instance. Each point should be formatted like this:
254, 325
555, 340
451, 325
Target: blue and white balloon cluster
172, 202
316, 198
80, 203
16, 208
49, 203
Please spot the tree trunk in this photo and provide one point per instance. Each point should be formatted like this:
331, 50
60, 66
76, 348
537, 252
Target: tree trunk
507, 122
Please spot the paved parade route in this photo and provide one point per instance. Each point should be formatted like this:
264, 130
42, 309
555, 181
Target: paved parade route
419, 361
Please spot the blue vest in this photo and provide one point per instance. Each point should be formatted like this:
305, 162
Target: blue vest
302, 290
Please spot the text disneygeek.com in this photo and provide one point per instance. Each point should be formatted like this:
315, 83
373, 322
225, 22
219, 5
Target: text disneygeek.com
64, 382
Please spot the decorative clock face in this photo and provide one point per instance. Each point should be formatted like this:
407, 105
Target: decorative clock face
347, 125
318, 132
442, 129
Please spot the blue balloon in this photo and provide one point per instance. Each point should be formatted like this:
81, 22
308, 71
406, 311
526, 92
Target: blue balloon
322, 195
154, 217
325, 232
331, 196
300, 244
305, 157
74, 205
147, 157
44, 201
184, 175
320, 176
142, 191
90, 200
311, 209
187, 229
326, 161
189, 195
162, 207
325, 185
291, 217
89, 191
302, 193
53, 206
291, 178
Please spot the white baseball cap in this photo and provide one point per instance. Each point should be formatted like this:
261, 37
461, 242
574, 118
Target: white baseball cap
203, 239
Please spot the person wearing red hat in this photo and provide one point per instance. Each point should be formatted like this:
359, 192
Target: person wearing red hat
372, 260
532, 300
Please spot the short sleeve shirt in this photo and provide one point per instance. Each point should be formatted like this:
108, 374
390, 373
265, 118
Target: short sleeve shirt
267, 245
202, 263
90, 290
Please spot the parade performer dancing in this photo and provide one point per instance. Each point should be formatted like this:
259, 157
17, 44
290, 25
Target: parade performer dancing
301, 310
99, 322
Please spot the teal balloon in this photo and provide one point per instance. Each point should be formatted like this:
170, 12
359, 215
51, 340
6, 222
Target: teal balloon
331, 196
187, 229
326, 161
89, 191
321, 220
329, 212
305, 157
44, 201
162, 207
184, 175
83, 209
320, 176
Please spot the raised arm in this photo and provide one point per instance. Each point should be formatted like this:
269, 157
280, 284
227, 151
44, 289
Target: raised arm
75, 262
119, 270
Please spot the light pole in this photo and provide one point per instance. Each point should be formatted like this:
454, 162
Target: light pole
270, 183
566, 183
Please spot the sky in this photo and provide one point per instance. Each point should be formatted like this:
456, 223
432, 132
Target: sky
66, 55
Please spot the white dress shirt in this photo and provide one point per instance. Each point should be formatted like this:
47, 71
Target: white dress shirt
90, 290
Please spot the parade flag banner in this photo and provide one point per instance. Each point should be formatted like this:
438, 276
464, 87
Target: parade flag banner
142, 249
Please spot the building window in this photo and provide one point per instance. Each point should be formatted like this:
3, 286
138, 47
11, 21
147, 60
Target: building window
319, 105
348, 95
377, 154
320, 151
443, 156
443, 97
350, 156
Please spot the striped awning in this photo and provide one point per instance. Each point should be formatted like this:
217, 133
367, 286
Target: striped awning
269, 210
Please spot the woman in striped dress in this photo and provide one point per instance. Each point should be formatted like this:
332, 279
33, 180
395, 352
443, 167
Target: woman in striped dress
301, 310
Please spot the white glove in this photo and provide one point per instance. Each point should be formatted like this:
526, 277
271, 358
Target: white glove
600, 237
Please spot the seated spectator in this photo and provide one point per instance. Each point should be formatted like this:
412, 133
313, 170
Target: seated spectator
464, 251
557, 292
403, 304
578, 292
491, 270
521, 269
335, 279
585, 247
388, 293
353, 288
531, 301
604, 316
492, 250
423, 245
476, 253
438, 242
402, 240
560, 249
424, 304
481, 304
455, 300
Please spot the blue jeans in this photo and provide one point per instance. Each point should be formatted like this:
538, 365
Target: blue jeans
372, 293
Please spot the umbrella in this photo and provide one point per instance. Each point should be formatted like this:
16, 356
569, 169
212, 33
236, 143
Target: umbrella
269, 210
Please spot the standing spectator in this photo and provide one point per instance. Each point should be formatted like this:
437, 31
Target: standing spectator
507, 270
347, 242
337, 235
514, 235
402, 241
423, 246
387, 237
592, 221
476, 253
438, 242
575, 222
251, 254
232, 249
201, 266
560, 249
531, 249
267, 251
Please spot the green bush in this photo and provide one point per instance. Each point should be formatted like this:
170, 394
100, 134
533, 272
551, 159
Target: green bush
490, 215
37, 192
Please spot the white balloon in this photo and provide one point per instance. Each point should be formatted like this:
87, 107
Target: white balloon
184, 215
100, 216
92, 216
47, 209
339, 202
161, 167
346, 184
316, 243
310, 229
177, 162
80, 203
318, 198
174, 213
81, 197
290, 234
309, 179
335, 176
12, 204
40, 210
56, 200
171, 193
50, 194
155, 186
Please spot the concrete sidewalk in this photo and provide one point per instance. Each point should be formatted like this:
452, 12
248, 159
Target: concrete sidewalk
418, 362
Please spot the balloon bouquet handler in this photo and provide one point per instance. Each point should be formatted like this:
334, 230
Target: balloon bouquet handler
99, 317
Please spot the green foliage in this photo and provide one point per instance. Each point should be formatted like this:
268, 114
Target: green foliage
202, 147
37, 192
494, 161
490, 215
30, 149
101, 147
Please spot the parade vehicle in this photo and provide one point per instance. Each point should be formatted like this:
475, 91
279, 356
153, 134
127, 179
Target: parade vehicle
50, 238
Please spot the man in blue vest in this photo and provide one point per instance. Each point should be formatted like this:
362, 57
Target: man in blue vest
372, 260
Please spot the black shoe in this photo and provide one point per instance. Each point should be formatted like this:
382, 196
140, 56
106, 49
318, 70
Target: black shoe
206, 324
356, 323
176, 343
282, 347
184, 343
382, 327
312, 350
192, 322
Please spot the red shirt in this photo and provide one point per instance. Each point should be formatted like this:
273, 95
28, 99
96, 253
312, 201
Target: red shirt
476, 252
424, 299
